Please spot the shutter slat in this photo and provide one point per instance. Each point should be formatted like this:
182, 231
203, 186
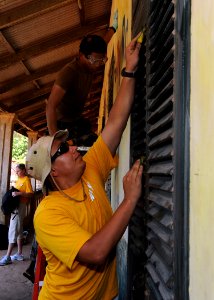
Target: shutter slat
164, 250
165, 167
161, 123
161, 215
161, 153
161, 138
162, 198
162, 232
164, 291
161, 183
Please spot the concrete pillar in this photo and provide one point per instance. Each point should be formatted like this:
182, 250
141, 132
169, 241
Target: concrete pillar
6, 139
32, 138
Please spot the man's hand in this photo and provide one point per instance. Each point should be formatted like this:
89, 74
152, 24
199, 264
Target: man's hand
96, 249
132, 54
14, 194
132, 182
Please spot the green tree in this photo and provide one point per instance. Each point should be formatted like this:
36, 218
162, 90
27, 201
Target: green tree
20, 145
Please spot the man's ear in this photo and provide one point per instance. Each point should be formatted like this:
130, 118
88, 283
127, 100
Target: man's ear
53, 172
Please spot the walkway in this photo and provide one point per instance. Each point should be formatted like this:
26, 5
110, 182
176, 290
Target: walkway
13, 285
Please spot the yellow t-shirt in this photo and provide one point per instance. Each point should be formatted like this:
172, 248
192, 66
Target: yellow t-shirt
23, 184
62, 227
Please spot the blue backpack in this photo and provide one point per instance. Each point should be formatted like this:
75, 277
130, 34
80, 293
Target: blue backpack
10, 203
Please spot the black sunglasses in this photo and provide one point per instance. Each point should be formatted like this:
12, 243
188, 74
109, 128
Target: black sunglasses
63, 148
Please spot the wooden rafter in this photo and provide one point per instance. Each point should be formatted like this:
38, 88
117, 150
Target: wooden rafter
28, 105
23, 99
44, 71
81, 5
18, 120
36, 115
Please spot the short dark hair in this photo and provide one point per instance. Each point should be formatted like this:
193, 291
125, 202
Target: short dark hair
93, 43
21, 167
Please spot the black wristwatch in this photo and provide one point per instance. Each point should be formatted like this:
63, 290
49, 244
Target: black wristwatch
128, 74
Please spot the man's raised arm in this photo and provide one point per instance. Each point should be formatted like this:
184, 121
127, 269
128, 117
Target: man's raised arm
121, 109
54, 100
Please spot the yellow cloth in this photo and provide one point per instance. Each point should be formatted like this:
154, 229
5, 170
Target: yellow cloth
62, 227
23, 184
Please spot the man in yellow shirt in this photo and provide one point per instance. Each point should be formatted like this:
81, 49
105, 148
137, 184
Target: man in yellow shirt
74, 224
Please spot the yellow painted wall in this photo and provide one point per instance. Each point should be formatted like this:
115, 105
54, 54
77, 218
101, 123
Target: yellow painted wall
202, 151
116, 48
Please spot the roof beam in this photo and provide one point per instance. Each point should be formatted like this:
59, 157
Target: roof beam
50, 69
18, 120
53, 42
29, 11
37, 115
41, 129
28, 104
81, 4
23, 99
39, 123
24, 124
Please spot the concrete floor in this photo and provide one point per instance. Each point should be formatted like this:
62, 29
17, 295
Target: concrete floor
13, 285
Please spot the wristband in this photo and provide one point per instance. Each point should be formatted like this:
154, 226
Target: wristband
128, 74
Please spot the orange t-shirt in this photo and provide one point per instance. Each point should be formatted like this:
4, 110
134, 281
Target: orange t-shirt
63, 225
23, 184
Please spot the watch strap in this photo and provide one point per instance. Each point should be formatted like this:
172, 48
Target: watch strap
124, 73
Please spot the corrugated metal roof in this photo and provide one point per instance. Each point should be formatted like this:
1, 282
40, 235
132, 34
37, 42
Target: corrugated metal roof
40, 27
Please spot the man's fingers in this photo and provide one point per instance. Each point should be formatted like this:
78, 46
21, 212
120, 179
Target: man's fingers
137, 36
134, 40
134, 44
135, 172
138, 46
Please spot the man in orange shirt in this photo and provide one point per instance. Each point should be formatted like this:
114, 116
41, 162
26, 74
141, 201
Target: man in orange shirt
15, 233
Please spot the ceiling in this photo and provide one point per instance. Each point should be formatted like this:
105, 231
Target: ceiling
37, 38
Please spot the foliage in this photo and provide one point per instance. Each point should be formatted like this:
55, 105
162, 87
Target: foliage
20, 146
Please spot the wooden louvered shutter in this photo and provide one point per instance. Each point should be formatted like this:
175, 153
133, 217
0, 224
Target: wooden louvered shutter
158, 236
